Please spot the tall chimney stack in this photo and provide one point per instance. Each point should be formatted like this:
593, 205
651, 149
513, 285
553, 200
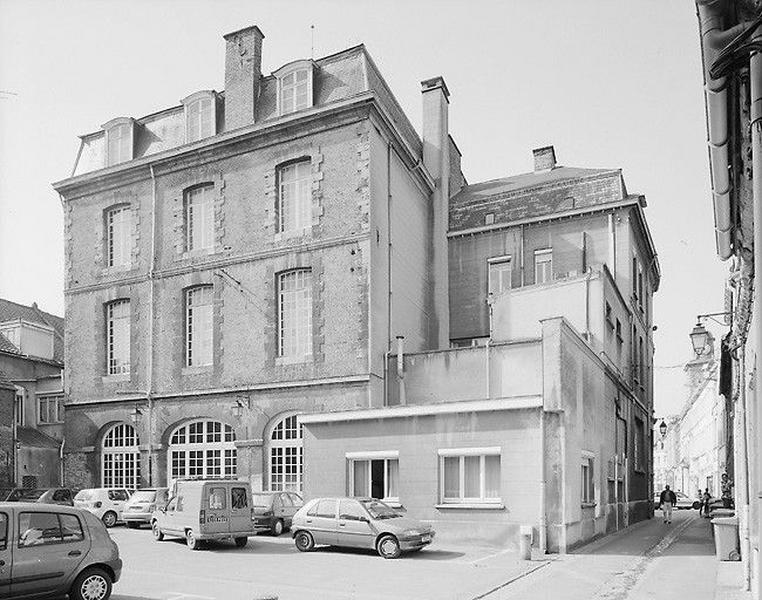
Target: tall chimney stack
436, 159
243, 70
544, 158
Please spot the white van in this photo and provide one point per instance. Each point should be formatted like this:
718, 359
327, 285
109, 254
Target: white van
206, 509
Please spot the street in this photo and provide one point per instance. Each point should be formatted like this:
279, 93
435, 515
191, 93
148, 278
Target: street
650, 560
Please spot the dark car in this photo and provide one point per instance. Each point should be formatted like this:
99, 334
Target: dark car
49, 551
274, 511
62, 496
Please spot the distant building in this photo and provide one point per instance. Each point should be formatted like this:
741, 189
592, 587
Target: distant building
31, 358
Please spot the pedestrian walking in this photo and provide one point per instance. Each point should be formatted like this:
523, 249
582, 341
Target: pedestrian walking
667, 500
706, 498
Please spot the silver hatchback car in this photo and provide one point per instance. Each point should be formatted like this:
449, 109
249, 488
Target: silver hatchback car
358, 523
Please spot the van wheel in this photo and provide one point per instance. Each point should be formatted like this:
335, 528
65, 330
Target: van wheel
190, 539
388, 547
277, 527
158, 535
91, 584
241, 541
109, 519
304, 541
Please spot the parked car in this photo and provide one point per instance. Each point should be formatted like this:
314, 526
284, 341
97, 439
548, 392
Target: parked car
61, 496
55, 550
683, 501
274, 511
358, 523
201, 510
139, 509
105, 503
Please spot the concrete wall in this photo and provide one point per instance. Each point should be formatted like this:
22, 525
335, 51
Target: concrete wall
516, 432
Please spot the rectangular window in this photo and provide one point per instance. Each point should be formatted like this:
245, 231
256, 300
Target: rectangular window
3, 531
118, 337
374, 475
18, 406
119, 143
295, 313
499, 276
588, 480
295, 91
199, 218
543, 266
295, 196
50, 409
200, 119
198, 326
217, 498
470, 475
119, 236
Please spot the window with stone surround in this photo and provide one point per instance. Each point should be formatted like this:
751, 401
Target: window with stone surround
202, 449
120, 458
18, 406
588, 479
118, 223
198, 326
118, 337
294, 202
295, 314
285, 455
200, 116
198, 217
294, 86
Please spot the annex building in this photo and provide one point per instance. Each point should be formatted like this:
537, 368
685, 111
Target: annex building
284, 282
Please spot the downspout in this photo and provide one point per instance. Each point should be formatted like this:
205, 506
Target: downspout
742, 469
61, 461
543, 541
487, 368
521, 253
149, 349
388, 265
612, 246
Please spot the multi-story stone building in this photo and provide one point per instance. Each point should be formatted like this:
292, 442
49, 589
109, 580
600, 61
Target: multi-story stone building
245, 256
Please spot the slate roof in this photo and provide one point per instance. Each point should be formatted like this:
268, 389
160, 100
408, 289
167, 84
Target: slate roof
534, 194
12, 311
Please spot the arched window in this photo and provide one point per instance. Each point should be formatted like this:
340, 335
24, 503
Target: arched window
120, 458
202, 449
285, 455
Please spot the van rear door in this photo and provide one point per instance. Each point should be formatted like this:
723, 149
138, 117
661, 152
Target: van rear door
215, 509
240, 508
5, 553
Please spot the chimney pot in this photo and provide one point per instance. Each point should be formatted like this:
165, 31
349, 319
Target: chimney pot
544, 158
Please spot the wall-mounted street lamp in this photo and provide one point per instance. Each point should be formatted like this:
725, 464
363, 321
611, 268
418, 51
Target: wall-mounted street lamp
663, 429
135, 415
699, 336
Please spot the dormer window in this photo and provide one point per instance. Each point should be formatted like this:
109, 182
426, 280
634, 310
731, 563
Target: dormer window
119, 140
294, 86
200, 116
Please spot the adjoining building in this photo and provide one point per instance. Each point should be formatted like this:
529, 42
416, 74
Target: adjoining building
283, 282
31, 359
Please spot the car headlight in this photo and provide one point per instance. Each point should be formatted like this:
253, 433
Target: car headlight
411, 532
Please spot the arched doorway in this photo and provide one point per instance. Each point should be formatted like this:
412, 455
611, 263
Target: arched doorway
120, 457
285, 463
202, 449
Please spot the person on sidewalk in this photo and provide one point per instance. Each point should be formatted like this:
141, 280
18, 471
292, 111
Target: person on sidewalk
706, 498
726, 486
667, 500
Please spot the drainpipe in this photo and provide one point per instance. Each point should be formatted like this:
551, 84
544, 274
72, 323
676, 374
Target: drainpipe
612, 246
401, 367
543, 541
487, 368
61, 461
149, 345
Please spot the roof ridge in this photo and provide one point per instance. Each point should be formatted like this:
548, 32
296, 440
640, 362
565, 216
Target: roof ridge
597, 171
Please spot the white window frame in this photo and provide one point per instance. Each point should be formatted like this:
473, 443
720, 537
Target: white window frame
194, 111
119, 236
121, 129
19, 406
217, 458
462, 453
543, 258
46, 399
386, 456
199, 337
587, 478
198, 216
111, 340
499, 262
294, 196
286, 107
295, 304
120, 457
286, 437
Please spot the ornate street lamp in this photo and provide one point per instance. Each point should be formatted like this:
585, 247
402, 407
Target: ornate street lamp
699, 337
663, 429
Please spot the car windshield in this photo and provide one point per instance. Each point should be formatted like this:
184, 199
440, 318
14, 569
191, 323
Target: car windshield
379, 510
21, 495
84, 495
144, 496
262, 500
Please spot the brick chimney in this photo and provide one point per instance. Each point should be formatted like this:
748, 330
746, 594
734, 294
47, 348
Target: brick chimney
436, 159
243, 70
544, 158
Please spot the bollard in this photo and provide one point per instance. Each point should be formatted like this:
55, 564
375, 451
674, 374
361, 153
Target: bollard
525, 542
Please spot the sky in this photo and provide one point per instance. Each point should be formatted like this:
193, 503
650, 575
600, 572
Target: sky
609, 83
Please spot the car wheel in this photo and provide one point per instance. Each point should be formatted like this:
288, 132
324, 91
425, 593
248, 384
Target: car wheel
304, 541
241, 541
696, 505
277, 527
109, 519
91, 584
388, 547
158, 535
191, 540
